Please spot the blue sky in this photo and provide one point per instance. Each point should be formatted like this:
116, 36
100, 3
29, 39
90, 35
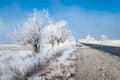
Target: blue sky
94, 17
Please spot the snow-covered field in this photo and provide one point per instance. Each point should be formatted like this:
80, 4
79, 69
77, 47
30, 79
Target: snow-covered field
104, 41
108, 42
12, 47
16, 63
9, 48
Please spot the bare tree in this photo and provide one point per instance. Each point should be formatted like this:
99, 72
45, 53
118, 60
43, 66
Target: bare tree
31, 33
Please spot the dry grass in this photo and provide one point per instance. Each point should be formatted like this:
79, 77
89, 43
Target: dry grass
94, 64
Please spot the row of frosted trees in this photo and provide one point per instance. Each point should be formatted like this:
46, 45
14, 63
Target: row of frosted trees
39, 29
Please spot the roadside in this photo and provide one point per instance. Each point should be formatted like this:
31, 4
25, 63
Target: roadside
93, 64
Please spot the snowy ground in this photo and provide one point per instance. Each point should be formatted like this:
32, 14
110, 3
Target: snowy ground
108, 42
16, 63
11, 48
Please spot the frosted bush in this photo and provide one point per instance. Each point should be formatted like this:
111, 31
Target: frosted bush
67, 55
22, 64
18, 64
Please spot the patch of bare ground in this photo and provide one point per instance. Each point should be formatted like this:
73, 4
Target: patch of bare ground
93, 64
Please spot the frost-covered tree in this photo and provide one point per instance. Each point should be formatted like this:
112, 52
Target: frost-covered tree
57, 33
90, 38
104, 38
31, 32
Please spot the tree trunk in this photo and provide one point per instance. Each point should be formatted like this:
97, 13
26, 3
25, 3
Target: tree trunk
58, 41
36, 48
